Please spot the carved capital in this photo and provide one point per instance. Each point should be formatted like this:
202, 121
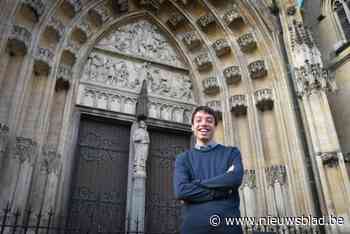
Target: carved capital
19, 40
264, 99
211, 86
51, 160
276, 174
64, 76
221, 47
4, 131
313, 77
175, 20
232, 75
57, 26
42, 61
25, 149
203, 62
191, 40
249, 179
257, 69
205, 21
102, 13
232, 17
83, 32
329, 159
74, 5
216, 106
238, 105
247, 42
36, 6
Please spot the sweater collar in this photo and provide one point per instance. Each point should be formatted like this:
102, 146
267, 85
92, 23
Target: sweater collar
211, 144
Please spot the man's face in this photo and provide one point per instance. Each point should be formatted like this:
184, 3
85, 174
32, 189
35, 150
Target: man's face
203, 127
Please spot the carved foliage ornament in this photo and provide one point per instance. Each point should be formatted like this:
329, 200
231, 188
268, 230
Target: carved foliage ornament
232, 74
37, 6
175, 20
313, 77
191, 40
56, 25
43, 61
142, 39
19, 40
330, 159
211, 85
221, 47
233, 17
247, 42
203, 61
238, 105
205, 21
276, 174
25, 149
264, 99
257, 69
216, 106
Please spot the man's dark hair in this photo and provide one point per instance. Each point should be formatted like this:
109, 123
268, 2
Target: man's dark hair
207, 110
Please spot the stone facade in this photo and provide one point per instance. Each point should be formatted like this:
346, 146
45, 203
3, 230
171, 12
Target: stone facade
62, 58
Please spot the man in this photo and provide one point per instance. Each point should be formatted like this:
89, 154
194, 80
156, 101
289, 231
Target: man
207, 178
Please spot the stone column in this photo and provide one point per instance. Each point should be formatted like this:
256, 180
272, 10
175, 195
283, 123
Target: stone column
312, 82
139, 152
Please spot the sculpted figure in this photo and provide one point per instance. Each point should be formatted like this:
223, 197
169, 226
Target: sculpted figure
141, 142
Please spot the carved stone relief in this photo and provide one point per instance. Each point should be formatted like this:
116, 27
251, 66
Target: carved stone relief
330, 159
51, 160
221, 47
216, 106
249, 179
203, 61
142, 39
57, 26
43, 61
232, 74
238, 105
211, 85
264, 99
37, 6
128, 75
276, 174
257, 69
247, 42
205, 21
4, 131
233, 17
191, 40
25, 149
19, 40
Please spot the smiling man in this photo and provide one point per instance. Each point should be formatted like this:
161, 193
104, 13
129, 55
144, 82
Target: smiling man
207, 178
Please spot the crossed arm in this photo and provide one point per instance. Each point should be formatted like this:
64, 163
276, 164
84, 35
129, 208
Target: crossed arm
196, 191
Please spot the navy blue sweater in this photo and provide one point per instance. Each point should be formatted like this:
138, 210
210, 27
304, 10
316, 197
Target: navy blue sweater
201, 180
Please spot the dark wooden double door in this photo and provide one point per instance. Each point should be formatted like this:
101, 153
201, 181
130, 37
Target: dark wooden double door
99, 184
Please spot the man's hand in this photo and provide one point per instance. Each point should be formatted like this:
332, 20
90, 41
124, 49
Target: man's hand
230, 169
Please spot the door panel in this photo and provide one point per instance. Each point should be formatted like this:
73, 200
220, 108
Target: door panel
100, 178
162, 210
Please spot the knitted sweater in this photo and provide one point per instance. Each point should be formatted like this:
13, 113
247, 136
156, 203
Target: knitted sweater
201, 180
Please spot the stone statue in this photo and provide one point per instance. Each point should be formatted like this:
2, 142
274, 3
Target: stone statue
141, 142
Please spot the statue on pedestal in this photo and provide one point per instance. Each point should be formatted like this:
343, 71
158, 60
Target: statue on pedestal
141, 142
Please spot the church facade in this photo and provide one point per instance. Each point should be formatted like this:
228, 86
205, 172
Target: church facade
96, 100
